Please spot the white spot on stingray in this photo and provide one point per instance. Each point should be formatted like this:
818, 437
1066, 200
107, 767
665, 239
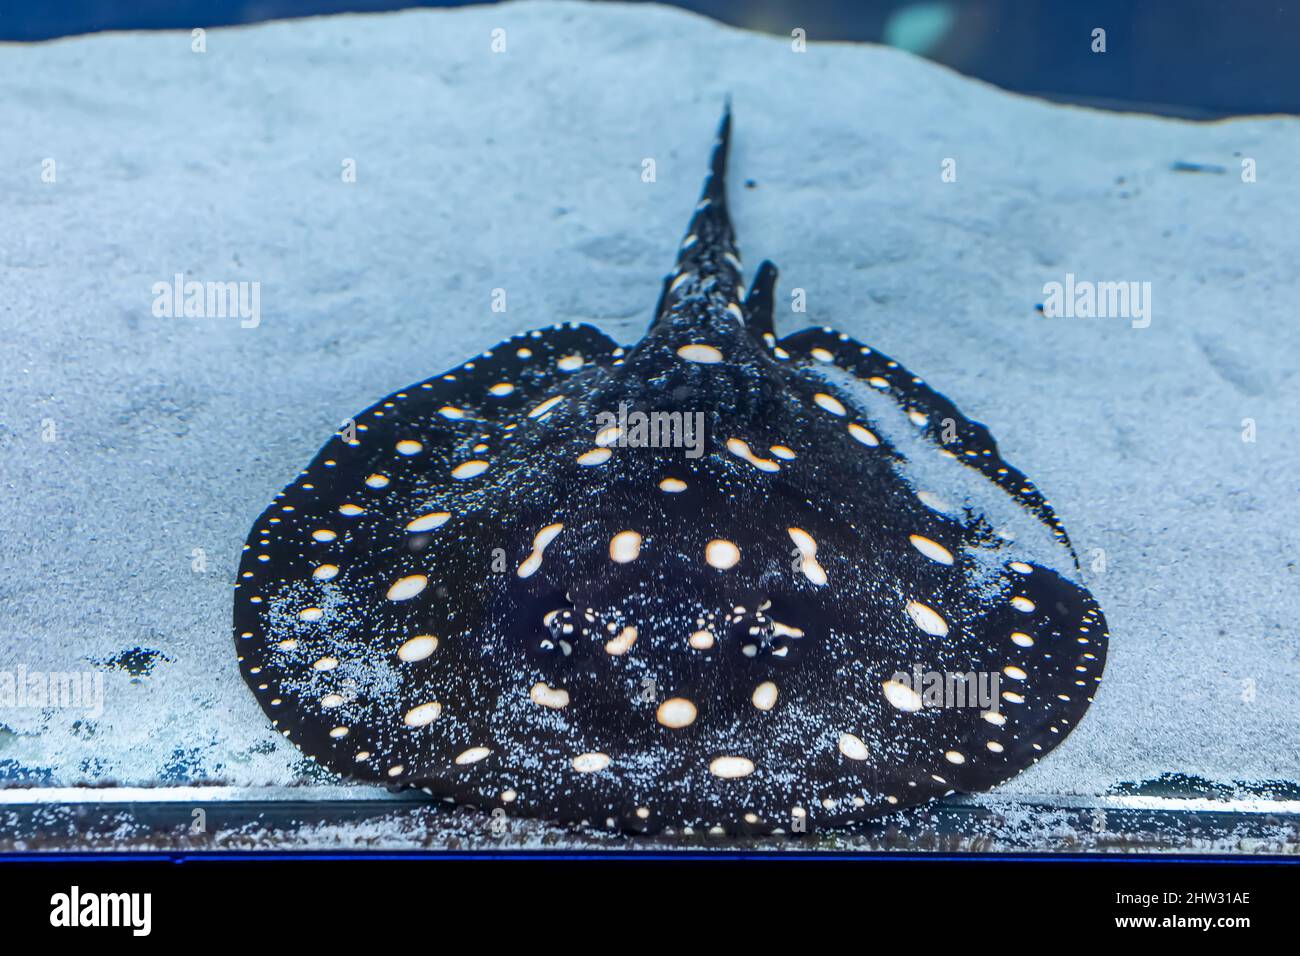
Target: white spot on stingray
1024, 640
822, 355
323, 534
351, 510
501, 388
427, 522
469, 469
377, 481
595, 456
547, 696
423, 714
409, 447
877, 382
417, 648
1022, 604
403, 589
452, 412
310, 614
721, 554
1014, 672
931, 549
540, 541
813, 571
672, 485
546, 406
1020, 567
395, 771
326, 664
954, 756
701, 640
927, 619
472, 755
918, 419
676, 712
339, 732
993, 717
620, 645
994, 746
1012, 697
764, 696
901, 696
330, 701
325, 572
570, 363
697, 352
729, 768
783, 451
741, 450
590, 762
785, 630
830, 403
625, 546
853, 747
608, 436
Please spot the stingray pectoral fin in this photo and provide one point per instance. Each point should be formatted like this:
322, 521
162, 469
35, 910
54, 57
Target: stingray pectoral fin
933, 414
981, 648
1029, 666
352, 581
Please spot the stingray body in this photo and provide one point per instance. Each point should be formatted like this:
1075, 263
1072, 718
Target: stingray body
717, 579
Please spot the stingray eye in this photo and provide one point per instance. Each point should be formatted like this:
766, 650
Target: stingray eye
758, 636
547, 627
561, 629
775, 633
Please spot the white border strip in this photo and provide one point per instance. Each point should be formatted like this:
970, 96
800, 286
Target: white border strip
1261, 805
18, 796
116, 796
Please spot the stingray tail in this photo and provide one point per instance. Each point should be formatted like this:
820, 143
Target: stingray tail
707, 260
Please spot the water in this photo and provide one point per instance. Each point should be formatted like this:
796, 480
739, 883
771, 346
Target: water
1209, 59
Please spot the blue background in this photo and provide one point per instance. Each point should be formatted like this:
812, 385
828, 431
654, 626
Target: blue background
1192, 58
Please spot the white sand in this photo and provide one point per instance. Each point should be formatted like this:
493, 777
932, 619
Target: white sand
522, 171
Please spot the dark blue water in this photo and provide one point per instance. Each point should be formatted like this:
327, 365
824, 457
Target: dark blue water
1193, 58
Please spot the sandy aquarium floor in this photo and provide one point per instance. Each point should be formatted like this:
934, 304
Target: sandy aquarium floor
135, 450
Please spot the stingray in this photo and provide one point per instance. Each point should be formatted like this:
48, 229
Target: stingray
716, 579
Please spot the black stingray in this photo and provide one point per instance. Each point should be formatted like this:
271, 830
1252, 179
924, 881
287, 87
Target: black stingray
484, 588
